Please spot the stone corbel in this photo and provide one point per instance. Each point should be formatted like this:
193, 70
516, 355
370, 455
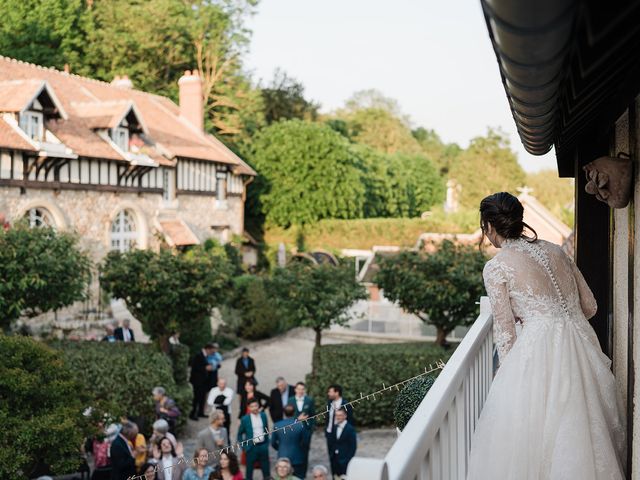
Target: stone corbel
609, 179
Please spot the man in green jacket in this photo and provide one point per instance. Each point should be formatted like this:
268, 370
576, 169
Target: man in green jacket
253, 430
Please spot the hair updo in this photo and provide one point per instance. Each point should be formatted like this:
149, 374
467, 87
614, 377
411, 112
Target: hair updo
504, 212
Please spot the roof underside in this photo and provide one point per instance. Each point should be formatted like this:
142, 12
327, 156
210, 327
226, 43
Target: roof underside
570, 68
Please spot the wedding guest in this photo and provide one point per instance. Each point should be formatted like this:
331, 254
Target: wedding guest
320, 472
124, 333
199, 378
279, 398
304, 410
160, 431
109, 336
343, 444
174, 339
201, 469
284, 470
168, 457
123, 464
254, 427
165, 406
289, 440
215, 436
215, 360
245, 369
250, 393
335, 402
221, 398
229, 468
148, 471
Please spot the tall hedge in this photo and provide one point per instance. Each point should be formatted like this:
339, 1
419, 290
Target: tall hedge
119, 377
363, 368
41, 405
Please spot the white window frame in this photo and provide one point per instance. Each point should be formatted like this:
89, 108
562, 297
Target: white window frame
221, 190
123, 234
168, 185
120, 136
33, 124
39, 217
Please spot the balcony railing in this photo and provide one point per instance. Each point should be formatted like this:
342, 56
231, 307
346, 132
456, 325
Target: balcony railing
435, 443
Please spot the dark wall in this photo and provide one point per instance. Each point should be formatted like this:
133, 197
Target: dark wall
594, 243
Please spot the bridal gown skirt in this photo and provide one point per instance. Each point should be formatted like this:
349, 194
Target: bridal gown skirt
551, 412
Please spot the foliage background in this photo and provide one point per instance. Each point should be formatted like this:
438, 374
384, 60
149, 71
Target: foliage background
363, 368
41, 406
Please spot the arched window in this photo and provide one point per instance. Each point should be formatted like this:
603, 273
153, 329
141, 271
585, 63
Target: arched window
39, 217
124, 234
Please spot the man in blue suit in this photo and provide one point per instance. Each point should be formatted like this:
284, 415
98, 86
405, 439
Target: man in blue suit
334, 403
254, 427
290, 441
304, 409
342, 444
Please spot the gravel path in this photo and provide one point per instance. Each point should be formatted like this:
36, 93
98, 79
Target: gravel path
288, 355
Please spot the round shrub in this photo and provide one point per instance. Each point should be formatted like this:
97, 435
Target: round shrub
41, 406
409, 398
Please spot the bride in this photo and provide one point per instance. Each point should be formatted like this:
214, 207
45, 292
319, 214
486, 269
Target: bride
551, 412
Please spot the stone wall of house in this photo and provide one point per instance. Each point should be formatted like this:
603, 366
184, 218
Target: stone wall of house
90, 213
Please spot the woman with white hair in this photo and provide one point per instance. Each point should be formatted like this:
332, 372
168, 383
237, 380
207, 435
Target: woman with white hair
160, 431
320, 472
166, 407
284, 470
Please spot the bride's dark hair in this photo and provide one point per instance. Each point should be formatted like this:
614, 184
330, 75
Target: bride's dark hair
504, 212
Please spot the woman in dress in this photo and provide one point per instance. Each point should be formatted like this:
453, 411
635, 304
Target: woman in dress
552, 411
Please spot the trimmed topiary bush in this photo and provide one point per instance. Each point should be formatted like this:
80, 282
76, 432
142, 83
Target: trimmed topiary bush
41, 410
409, 398
363, 368
119, 377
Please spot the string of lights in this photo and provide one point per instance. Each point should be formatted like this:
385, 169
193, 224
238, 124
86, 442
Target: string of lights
439, 365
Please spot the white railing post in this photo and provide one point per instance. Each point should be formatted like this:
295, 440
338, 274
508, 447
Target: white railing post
435, 443
367, 468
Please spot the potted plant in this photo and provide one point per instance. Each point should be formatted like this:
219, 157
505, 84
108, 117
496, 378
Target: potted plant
409, 398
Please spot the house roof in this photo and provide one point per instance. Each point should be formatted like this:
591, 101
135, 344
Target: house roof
177, 233
93, 104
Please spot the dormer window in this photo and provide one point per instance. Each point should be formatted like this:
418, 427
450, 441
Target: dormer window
32, 123
120, 136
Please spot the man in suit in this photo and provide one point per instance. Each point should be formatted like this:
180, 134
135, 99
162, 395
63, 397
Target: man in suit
291, 444
123, 463
343, 443
214, 437
254, 427
199, 378
124, 333
279, 399
245, 369
221, 398
304, 409
334, 403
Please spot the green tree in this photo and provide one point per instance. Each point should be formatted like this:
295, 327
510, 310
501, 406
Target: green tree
316, 296
487, 166
441, 288
416, 185
40, 411
40, 270
442, 154
309, 172
46, 32
169, 292
260, 316
284, 100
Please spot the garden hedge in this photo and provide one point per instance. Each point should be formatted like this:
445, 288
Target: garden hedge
119, 377
409, 398
41, 406
363, 368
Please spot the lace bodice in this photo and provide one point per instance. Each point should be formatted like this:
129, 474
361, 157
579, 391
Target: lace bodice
535, 282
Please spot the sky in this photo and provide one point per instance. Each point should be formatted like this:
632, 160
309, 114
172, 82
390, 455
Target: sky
433, 56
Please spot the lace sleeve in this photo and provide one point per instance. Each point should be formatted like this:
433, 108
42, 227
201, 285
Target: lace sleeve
504, 328
587, 300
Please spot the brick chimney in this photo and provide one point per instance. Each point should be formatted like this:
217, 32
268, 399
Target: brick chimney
191, 100
122, 82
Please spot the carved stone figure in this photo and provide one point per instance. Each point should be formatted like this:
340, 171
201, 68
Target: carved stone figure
609, 179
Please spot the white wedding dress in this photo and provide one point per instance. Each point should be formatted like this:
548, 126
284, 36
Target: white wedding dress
551, 412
